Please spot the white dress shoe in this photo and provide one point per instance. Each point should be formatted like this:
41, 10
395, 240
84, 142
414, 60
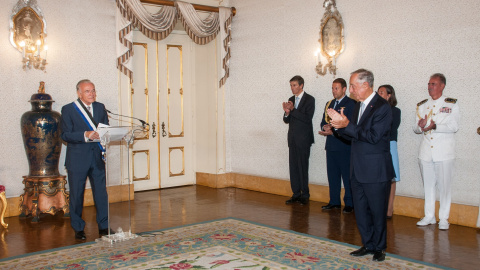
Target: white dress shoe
426, 221
443, 225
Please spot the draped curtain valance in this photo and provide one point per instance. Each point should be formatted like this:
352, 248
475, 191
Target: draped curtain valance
132, 14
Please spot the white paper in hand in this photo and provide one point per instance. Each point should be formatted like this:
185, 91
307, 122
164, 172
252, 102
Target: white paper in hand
102, 129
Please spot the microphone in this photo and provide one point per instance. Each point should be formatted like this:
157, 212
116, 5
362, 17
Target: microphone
141, 121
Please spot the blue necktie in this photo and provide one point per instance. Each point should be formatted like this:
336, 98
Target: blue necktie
296, 102
336, 103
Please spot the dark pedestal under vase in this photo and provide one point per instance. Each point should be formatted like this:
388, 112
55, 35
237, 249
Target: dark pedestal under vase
44, 190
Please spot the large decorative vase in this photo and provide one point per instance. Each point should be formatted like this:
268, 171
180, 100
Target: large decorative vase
44, 190
41, 135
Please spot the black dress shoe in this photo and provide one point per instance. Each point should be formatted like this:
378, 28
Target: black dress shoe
361, 252
331, 206
80, 235
291, 200
347, 209
379, 256
103, 232
303, 201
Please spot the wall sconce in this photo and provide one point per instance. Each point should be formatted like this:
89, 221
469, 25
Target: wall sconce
332, 42
28, 33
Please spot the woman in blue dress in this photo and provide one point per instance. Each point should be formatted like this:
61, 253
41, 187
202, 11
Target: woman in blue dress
387, 92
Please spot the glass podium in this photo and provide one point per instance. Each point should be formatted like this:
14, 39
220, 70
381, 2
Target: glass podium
118, 134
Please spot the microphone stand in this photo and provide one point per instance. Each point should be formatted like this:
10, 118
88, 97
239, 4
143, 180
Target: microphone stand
144, 124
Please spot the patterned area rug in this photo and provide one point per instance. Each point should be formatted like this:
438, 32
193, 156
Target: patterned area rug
220, 244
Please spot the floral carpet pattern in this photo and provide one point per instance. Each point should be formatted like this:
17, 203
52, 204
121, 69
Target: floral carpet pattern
219, 244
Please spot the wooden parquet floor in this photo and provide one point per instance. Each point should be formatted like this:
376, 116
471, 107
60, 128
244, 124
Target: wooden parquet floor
458, 248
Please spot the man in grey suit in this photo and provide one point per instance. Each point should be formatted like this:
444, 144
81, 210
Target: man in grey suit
298, 115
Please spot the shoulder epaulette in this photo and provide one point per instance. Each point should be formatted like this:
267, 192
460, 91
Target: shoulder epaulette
422, 102
451, 100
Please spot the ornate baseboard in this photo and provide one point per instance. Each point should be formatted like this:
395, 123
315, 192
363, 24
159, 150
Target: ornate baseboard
465, 215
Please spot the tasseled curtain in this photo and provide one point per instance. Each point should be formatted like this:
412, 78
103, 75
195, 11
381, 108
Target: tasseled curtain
131, 14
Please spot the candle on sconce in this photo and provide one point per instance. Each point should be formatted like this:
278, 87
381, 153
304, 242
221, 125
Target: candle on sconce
38, 46
22, 44
332, 57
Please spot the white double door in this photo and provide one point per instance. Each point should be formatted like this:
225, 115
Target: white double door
162, 94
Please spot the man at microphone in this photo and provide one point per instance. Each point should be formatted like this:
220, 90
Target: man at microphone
84, 157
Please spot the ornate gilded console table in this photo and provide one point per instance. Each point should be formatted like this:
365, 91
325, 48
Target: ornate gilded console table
3, 199
44, 195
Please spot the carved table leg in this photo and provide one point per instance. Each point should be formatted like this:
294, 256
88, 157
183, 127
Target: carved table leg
44, 195
24, 198
35, 211
3, 209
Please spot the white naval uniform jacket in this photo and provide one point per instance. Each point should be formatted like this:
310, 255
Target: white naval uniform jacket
438, 144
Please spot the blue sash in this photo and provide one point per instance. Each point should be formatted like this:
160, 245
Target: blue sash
87, 120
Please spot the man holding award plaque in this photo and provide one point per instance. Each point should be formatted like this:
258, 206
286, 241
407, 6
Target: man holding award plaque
338, 149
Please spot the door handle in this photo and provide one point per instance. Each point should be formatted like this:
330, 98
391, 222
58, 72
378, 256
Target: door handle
163, 130
154, 133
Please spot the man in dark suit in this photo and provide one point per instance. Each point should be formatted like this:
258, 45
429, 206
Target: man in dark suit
371, 168
338, 149
84, 158
298, 115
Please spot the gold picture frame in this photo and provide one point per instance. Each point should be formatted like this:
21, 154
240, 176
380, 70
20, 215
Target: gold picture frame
27, 27
332, 40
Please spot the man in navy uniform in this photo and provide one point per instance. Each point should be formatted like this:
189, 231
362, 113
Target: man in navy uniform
338, 149
437, 120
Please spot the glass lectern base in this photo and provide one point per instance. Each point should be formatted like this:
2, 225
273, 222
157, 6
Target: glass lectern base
120, 236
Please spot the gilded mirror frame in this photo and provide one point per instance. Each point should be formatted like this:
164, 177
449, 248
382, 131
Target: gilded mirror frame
27, 24
332, 40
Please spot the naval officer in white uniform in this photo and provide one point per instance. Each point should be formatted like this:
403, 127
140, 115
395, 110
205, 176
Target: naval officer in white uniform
437, 119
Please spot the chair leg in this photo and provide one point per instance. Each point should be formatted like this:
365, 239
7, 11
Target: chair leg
3, 209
